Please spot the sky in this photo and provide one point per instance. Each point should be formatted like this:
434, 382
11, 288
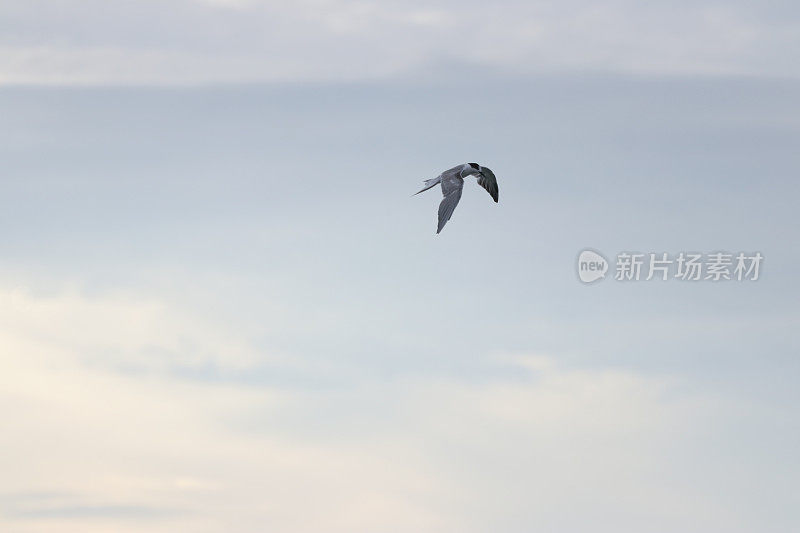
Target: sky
223, 310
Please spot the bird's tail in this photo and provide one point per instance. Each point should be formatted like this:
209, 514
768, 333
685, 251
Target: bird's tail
428, 184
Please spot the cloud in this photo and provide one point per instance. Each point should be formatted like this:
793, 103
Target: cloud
121, 511
108, 449
189, 42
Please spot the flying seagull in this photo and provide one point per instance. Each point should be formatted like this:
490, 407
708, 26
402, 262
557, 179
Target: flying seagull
453, 181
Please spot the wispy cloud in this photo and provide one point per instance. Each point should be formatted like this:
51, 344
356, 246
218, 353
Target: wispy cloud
187, 42
377, 455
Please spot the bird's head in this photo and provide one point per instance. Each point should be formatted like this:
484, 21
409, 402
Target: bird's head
472, 169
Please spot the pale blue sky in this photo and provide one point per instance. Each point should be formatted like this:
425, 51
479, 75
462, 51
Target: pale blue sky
225, 312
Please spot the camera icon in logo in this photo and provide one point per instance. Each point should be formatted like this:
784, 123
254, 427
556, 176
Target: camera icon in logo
591, 266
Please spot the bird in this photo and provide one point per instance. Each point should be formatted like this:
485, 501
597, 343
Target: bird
453, 182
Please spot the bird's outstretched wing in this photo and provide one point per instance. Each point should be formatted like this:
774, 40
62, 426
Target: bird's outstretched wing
447, 207
452, 185
488, 181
